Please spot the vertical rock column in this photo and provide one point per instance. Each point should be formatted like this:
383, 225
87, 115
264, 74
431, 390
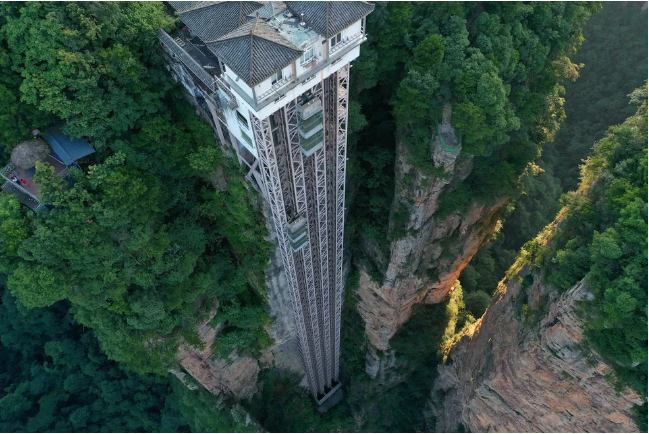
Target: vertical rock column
424, 264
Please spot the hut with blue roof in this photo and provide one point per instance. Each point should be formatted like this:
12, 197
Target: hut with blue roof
53, 147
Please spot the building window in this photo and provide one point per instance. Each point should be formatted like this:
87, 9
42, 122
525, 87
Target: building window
242, 120
246, 137
276, 77
335, 40
307, 56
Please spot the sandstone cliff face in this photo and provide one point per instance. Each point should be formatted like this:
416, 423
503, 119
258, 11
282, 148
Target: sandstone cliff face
236, 377
423, 265
515, 372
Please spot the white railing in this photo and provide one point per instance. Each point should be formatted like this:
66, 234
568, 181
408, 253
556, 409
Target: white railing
342, 44
7, 169
232, 100
275, 87
5, 172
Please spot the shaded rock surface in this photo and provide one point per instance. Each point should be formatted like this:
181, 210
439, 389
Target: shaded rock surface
513, 372
234, 377
285, 353
424, 264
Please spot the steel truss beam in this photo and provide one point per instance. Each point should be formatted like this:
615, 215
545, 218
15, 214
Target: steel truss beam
271, 176
292, 163
341, 163
312, 187
294, 185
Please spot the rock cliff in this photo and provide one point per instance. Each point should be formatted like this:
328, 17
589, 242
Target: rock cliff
234, 377
423, 265
521, 368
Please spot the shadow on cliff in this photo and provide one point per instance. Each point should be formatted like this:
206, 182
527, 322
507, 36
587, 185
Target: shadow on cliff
401, 387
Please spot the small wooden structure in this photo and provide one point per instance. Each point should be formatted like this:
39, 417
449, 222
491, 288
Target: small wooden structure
57, 149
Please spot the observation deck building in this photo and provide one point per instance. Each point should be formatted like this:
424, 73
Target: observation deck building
273, 79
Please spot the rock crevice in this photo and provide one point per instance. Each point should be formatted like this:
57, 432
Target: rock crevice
514, 373
423, 265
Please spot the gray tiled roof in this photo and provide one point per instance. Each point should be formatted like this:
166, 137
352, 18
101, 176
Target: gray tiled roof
182, 6
213, 21
329, 18
269, 10
255, 51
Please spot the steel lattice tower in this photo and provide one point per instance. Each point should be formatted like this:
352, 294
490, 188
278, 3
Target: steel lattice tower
291, 131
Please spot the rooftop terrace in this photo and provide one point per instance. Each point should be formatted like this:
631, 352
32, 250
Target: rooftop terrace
289, 27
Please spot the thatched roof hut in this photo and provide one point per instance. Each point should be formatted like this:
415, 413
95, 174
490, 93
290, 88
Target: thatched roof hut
27, 153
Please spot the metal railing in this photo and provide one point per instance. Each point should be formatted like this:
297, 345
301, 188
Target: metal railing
342, 44
232, 100
186, 59
275, 87
6, 171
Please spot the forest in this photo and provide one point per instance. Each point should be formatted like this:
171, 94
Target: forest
159, 227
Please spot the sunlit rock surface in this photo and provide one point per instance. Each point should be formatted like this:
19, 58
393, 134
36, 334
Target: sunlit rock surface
423, 265
520, 374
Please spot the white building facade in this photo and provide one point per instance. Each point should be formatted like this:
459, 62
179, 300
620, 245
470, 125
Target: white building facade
274, 78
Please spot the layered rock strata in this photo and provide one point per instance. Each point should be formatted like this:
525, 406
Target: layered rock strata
233, 377
523, 369
423, 265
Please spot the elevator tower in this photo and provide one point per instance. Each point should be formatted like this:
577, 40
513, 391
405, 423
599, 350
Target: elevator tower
273, 78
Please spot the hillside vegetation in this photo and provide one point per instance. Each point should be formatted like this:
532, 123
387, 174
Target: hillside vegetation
140, 244
602, 238
160, 227
614, 58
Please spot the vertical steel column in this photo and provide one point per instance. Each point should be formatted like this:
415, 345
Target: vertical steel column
313, 187
270, 171
342, 93
303, 187
297, 165
320, 188
282, 151
329, 176
288, 123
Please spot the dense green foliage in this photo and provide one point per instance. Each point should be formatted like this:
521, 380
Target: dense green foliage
614, 55
200, 410
498, 64
615, 62
283, 406
140, 243
603, 237
54, 378
139, 247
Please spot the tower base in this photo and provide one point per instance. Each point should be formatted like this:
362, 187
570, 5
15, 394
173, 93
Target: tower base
333, 397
